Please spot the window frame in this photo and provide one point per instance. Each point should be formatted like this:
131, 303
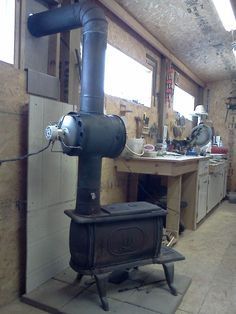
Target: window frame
15, 32
189, 114
150, 71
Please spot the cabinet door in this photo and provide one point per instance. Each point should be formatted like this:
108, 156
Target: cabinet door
202, 197
221, 185
215, 189
211, 200
225, 181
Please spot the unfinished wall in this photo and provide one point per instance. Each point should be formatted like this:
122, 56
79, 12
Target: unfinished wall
218, 92
13, 130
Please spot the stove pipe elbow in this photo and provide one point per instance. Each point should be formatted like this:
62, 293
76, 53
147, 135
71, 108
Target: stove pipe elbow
94, 28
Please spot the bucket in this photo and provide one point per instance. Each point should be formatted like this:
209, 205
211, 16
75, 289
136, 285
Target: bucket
134, 148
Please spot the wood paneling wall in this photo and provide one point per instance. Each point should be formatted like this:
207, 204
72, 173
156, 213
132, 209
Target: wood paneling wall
13, 139
217, 93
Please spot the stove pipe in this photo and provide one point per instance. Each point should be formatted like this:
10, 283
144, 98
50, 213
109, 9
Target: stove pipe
97, 135
94, 27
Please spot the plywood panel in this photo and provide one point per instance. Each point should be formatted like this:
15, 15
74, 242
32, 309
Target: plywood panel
13, 130
13, 98
173, 205
217, 93
52, 181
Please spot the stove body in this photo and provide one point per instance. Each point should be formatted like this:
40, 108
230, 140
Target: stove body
122, 235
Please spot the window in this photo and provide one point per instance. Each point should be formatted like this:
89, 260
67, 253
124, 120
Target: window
183, 103
126, 78
7, 30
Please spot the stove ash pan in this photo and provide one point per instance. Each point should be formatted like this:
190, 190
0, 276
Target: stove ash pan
122, 235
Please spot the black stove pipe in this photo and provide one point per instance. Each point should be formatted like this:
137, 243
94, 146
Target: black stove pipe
94, 27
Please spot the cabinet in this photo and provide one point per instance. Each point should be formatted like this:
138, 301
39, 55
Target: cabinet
202, 197
217, 184
202, 190
213, 198
225, 179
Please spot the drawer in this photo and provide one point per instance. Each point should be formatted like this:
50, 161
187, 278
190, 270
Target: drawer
203, 167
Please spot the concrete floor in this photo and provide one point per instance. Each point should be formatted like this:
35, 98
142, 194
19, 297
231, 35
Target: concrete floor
210, 254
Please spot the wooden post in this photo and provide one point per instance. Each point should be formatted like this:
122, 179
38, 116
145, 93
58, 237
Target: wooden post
189, 192
161, 103
173, 205
74, 79
54, 55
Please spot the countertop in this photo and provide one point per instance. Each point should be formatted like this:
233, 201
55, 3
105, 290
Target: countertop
170, 158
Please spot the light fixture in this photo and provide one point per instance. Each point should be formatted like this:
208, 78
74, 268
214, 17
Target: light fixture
226, 14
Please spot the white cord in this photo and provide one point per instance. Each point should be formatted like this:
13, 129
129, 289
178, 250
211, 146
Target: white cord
133, 151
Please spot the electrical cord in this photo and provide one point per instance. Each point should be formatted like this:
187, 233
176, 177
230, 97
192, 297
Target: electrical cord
26, 155
133, 152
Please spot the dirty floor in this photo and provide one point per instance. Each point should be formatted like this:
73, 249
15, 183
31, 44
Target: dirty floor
210, 254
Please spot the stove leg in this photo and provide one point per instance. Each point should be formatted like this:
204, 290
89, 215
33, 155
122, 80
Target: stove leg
169, 274
101, 282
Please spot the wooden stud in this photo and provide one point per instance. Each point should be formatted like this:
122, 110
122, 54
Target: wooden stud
161, 102
173, 205
189, 192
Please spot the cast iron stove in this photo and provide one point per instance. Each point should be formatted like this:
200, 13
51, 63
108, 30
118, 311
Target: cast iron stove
102, 238
121, 236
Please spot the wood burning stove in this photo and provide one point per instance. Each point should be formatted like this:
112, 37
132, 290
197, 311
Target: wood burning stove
112, 237
121, 235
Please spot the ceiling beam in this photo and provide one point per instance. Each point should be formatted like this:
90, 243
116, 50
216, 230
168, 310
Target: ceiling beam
123, 15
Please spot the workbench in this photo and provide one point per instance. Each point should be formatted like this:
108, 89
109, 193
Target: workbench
182, 175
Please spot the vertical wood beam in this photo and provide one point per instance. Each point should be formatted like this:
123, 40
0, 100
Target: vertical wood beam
64, 61
173, 205
74, 80
161, 103
22, 30
54, 55
64, 65
17, 33
189, 192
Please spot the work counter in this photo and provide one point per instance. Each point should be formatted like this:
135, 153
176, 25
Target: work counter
182, 177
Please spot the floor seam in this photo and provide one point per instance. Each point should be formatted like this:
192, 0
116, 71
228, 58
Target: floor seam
136, 305
185, 311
